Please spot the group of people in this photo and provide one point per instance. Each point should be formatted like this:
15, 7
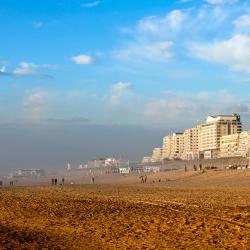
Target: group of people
54, 181
194, 167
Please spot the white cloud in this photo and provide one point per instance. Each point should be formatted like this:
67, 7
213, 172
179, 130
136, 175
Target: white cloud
242, 23
119, 90
91, 4
2, 70
31, 69
141, 51
234, 52
179, 110
122, 86
221, 1
172, 22
82, 59
36, 102
26, 69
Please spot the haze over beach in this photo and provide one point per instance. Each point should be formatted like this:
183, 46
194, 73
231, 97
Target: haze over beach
124, 124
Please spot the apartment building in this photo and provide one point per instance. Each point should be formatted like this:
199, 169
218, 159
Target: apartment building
173, 146
220, 136
216, 127
192, 143
244, 144
157, 155
146, 159
166, 147
229, 145
235, 145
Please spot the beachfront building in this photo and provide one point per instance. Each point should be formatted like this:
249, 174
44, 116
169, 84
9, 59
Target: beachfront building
212, 131
166, 147
192, 143
146, 159
173, 146
157, 155
235, 145
219, 136
244, 144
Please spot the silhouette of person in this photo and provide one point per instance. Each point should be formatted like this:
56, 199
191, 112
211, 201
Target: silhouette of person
200, 166
55, 181
52, 181
63, 181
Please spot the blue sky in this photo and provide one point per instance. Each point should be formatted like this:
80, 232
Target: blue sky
136, 62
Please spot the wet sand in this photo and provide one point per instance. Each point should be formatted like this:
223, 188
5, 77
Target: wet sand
184, 211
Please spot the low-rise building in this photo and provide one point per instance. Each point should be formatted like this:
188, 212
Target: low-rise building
157, 155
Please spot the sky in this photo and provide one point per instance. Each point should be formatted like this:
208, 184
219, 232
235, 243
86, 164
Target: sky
144, 67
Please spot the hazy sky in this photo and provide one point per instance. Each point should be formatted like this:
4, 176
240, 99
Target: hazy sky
125, 64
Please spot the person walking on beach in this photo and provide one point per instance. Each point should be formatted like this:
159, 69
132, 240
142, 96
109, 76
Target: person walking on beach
142, 179
145, 178
63, 181
92, 180
52, 181
55, 181
200, 167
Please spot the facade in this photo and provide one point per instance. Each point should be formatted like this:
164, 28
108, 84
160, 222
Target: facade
212, 131
146, 159
219, 136
235, 145
192, 143
176, 146
173, 146
157, 155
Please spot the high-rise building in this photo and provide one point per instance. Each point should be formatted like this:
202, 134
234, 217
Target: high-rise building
192, 143
216, 127
173, 146
220, 136
235, 145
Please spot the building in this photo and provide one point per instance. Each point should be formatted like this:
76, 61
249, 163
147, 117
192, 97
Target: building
244, 144
212, 131
157, 155
176, 146
219, 136
124, 170
235, 145
192, 143
173, 146
146, 159
229, 145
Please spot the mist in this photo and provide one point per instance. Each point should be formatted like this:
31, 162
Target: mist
52, 146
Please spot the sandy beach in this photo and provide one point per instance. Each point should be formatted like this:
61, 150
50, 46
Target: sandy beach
183, 211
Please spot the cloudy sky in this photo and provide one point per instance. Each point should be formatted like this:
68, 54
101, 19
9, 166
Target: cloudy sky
160, 65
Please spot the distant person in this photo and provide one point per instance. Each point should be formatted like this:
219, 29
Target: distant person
55, 181
142, 179
145, 178
200, 166
159, 180
63, 181
185, 168
92, 180
195, 168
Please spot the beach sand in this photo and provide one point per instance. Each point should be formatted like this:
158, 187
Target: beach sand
192, 210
